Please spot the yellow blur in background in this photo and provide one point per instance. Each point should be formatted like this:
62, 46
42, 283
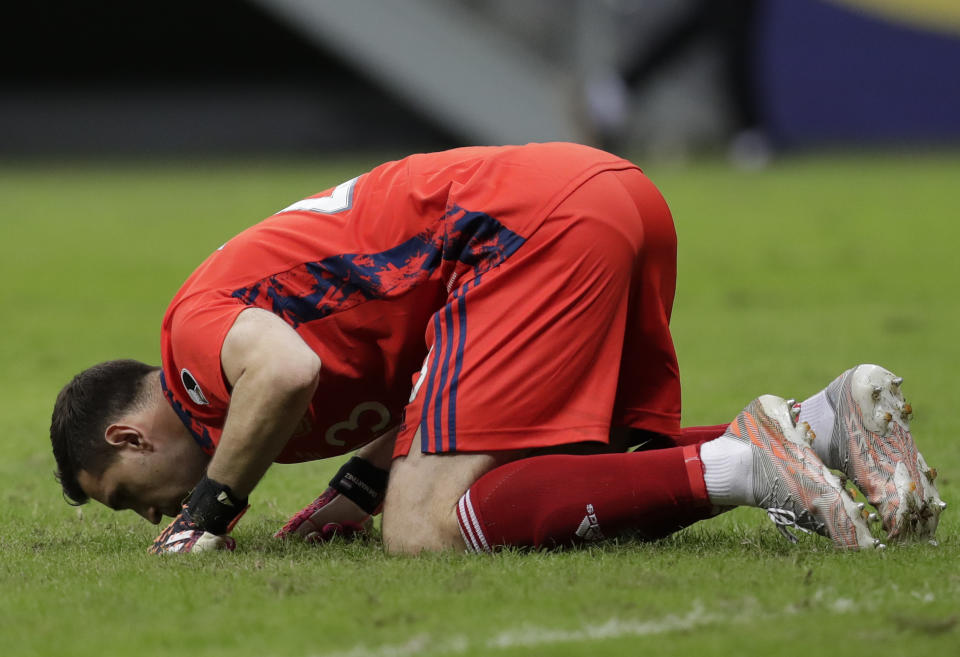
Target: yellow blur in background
937, 15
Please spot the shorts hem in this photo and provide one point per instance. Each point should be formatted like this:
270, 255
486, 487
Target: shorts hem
667, 424
508, 440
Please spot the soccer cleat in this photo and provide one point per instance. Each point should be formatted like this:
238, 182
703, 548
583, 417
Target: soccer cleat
790, 480
872, 445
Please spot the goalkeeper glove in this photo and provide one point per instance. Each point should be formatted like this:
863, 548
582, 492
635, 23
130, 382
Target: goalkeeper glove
206, 518
344, 509
183, 535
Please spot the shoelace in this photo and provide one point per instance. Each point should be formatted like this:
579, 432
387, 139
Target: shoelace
784, 518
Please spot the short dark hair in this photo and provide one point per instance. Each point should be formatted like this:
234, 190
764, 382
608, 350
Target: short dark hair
84, 409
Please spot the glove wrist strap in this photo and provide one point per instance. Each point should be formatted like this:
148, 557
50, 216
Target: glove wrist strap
362, 483
214, 508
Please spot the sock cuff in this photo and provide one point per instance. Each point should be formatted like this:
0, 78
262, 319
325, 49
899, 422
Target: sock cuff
471, 528
700, 435
728, 476
695, 474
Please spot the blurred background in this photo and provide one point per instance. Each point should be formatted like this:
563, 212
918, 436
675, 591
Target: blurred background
672, 78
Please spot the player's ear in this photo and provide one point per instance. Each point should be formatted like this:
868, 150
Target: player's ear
121, 435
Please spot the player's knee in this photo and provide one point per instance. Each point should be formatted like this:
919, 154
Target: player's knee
419, 513
401, 542
419, 519
413, 533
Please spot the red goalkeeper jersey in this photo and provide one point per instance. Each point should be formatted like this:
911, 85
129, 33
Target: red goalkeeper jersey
358, 271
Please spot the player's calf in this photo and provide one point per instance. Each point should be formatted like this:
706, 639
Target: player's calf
559, 500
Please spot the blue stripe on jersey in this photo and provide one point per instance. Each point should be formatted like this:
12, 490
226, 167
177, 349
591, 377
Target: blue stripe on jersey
200, 433
455, 379
446, 385
314, 290
479, 240
424, 413
442, 388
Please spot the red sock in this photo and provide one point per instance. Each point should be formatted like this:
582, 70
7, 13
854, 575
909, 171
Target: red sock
545, 501
700, 435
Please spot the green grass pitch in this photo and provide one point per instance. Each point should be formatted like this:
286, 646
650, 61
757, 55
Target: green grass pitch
787, 277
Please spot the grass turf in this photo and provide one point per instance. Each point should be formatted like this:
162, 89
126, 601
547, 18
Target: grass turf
787, 277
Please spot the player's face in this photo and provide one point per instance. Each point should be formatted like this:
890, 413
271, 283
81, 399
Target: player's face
151, 483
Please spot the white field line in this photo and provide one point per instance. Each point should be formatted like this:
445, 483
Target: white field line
529, 636
532, 636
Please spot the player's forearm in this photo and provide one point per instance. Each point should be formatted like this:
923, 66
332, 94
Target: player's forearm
265, 407
379, 452
268, 400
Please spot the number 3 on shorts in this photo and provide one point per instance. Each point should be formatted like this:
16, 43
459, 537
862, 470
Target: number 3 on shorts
340, 199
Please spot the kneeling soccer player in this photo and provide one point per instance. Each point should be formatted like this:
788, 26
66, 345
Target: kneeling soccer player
490, 324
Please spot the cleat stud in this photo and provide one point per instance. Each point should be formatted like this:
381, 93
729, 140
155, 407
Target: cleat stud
898, 381
907, 412
860, 506
794, 411
942, 505
873, 517
934, 542
875, 395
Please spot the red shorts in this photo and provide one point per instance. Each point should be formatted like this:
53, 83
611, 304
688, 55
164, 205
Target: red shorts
567, 338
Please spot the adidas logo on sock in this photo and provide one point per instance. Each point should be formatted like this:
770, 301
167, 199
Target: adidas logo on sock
589, 529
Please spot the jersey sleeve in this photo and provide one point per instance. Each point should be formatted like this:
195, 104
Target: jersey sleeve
192, 337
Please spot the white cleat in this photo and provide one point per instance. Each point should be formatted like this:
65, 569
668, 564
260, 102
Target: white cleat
791, 481
871, 444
